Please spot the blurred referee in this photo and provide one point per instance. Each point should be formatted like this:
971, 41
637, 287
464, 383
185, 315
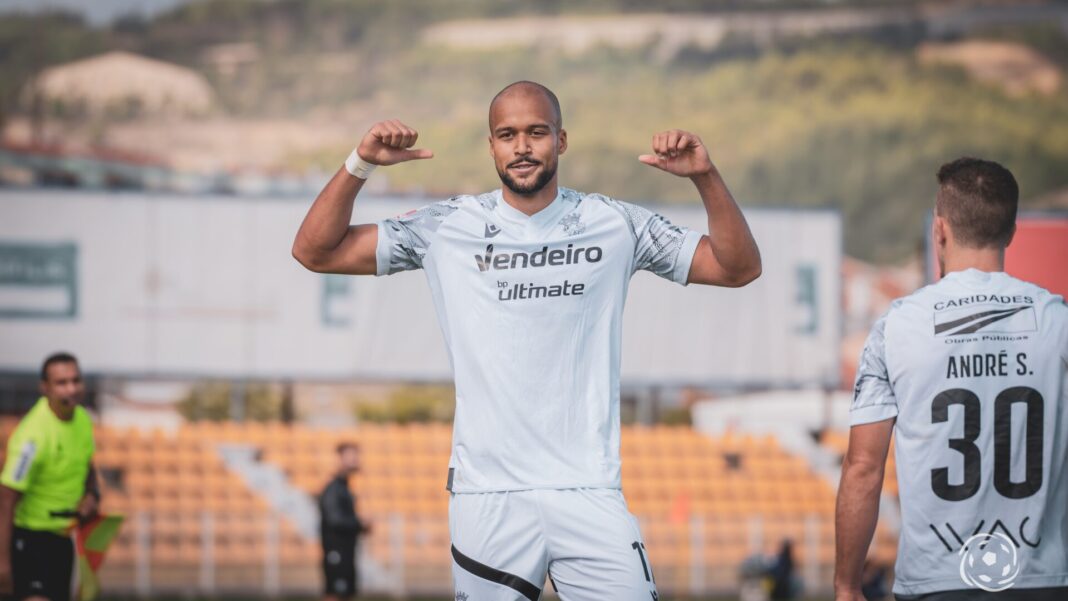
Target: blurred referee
47, 482
341, 528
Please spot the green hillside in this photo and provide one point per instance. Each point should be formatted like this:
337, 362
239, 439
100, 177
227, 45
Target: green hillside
848, 121
854, 126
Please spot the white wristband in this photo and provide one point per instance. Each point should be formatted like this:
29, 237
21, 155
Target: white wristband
358, 167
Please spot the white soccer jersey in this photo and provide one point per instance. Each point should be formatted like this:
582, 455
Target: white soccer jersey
532, 308
974, 369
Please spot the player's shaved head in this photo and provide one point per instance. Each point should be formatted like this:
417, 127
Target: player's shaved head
526, 89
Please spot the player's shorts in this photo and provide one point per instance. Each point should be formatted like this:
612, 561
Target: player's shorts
586, 541
42, 564
1011, 594
339, 570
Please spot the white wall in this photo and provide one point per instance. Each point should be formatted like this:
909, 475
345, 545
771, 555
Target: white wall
205, 286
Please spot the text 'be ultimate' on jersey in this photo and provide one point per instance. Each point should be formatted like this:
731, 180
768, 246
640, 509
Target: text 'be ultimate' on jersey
974, 370
531, 308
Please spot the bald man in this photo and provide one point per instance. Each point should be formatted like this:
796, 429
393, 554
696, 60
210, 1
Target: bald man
529, 283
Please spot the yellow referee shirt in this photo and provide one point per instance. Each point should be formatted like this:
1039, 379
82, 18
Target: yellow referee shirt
47, 461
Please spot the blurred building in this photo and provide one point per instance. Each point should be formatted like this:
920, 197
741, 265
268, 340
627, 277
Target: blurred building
121, 84
28, 165
867, 291
31, 165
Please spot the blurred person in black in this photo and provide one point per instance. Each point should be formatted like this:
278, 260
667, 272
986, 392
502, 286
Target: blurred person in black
340, 528
874, 578
783, 582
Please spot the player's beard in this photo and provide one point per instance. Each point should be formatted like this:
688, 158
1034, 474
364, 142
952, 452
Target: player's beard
544, 177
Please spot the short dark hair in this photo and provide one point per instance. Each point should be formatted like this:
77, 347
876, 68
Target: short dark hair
344, 446
54, 358
533, 85
978, 198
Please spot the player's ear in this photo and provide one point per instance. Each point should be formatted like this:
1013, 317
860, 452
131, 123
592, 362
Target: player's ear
561, 144
489, 139
938, 231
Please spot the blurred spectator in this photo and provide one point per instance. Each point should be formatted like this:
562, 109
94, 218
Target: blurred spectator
874, 581
784, 585
753, 573
341, 528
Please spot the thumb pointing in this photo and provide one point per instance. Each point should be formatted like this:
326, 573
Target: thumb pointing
418, 153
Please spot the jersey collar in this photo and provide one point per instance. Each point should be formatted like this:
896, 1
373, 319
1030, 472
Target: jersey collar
973, 276
547, 216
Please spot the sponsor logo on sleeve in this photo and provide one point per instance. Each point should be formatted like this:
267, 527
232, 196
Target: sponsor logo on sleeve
25, 461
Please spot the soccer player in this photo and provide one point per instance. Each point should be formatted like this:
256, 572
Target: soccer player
340, 528
971, 375
528, 282
48, 480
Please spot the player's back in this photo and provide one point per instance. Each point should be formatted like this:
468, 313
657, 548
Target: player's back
977, 366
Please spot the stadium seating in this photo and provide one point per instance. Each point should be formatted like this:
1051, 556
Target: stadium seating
705, 503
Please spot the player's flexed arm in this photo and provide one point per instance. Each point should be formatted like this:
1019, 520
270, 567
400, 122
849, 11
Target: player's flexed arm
326, 243
728, 255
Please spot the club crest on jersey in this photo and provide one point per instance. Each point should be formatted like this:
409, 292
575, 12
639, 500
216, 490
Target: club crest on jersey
983, 319
572, 224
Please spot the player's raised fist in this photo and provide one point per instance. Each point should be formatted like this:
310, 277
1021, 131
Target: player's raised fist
678, 152
390, 142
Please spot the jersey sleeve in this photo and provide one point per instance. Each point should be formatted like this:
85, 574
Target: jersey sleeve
660, 246
404, 241
23, 457
1062, 311
873, 396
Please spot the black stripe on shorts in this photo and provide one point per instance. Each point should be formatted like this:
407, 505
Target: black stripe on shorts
485, 572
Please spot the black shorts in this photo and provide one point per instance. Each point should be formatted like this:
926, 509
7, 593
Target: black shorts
1011, 594
41, 564
339, 570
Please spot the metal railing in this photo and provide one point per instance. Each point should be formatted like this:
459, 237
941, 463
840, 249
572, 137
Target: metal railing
206, 555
